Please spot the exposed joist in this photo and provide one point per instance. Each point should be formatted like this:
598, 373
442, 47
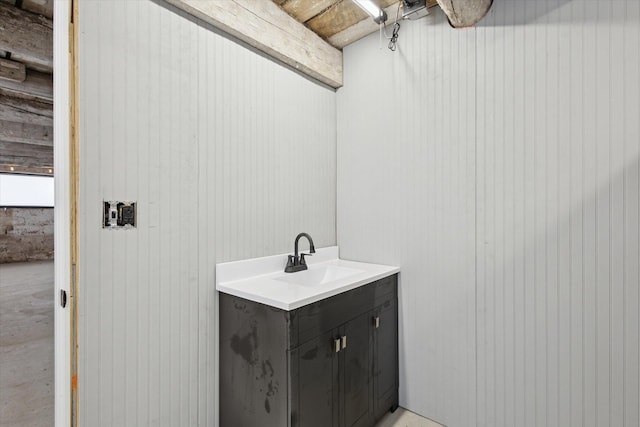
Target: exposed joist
12, 71
337, 18
26, 133
37, 86
13, 109
29, 37
303, 10
366, 27
465, 13
25, 155
263, 25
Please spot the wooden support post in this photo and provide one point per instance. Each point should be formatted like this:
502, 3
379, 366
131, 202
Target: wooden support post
74, 197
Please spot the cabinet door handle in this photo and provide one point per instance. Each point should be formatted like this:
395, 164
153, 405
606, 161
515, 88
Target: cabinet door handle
376, 322
344, 342
337, 343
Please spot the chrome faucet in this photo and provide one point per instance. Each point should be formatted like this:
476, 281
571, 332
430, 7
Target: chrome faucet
295, 262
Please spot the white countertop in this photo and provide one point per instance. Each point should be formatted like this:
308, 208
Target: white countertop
263, 279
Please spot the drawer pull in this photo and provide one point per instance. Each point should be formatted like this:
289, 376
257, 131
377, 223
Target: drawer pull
344, 342
376, 322
337, 343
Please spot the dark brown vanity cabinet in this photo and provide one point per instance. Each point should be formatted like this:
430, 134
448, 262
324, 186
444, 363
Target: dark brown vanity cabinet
333, 363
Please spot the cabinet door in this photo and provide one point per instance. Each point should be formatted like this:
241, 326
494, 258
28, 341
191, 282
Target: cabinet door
356, 362
385, 338
315, 371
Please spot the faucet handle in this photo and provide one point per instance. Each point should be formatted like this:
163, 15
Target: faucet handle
290, 261
302, 260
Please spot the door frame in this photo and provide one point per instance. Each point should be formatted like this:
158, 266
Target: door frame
65, 143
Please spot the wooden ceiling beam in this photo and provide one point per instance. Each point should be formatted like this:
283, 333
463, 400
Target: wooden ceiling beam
304, 10
465, 13
29, 37
337, 18
37, 86
266, 27
366, 27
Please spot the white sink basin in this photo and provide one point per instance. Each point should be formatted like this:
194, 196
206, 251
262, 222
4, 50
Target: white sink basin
318, 275
263, 279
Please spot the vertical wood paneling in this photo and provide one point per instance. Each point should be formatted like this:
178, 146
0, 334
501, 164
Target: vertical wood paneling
576, 220
617, 254
228, 154
406, 172
631, 184
564, 149
571, 100
506, 185
551, 100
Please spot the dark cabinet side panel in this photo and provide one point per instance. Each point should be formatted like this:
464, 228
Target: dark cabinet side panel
253, 363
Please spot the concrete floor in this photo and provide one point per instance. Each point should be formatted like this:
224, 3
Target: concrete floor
26, 344
404, 418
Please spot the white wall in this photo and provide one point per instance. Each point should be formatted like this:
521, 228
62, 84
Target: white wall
499, 167
228, 154
558, 221
406, 197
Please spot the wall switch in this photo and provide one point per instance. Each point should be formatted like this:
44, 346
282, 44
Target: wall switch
119, 214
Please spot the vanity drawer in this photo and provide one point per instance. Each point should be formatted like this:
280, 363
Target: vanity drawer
322, 316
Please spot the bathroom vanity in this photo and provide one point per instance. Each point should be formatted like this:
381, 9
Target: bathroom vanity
321, 350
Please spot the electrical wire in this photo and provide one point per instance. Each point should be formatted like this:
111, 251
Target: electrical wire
393, 40
394, 37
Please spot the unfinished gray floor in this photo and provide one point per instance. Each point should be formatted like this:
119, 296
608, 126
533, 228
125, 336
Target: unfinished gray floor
404, 418
26, 344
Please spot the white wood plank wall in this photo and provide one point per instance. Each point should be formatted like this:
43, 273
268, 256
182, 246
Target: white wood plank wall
544, 99
406, 179
558, 109
228, 154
